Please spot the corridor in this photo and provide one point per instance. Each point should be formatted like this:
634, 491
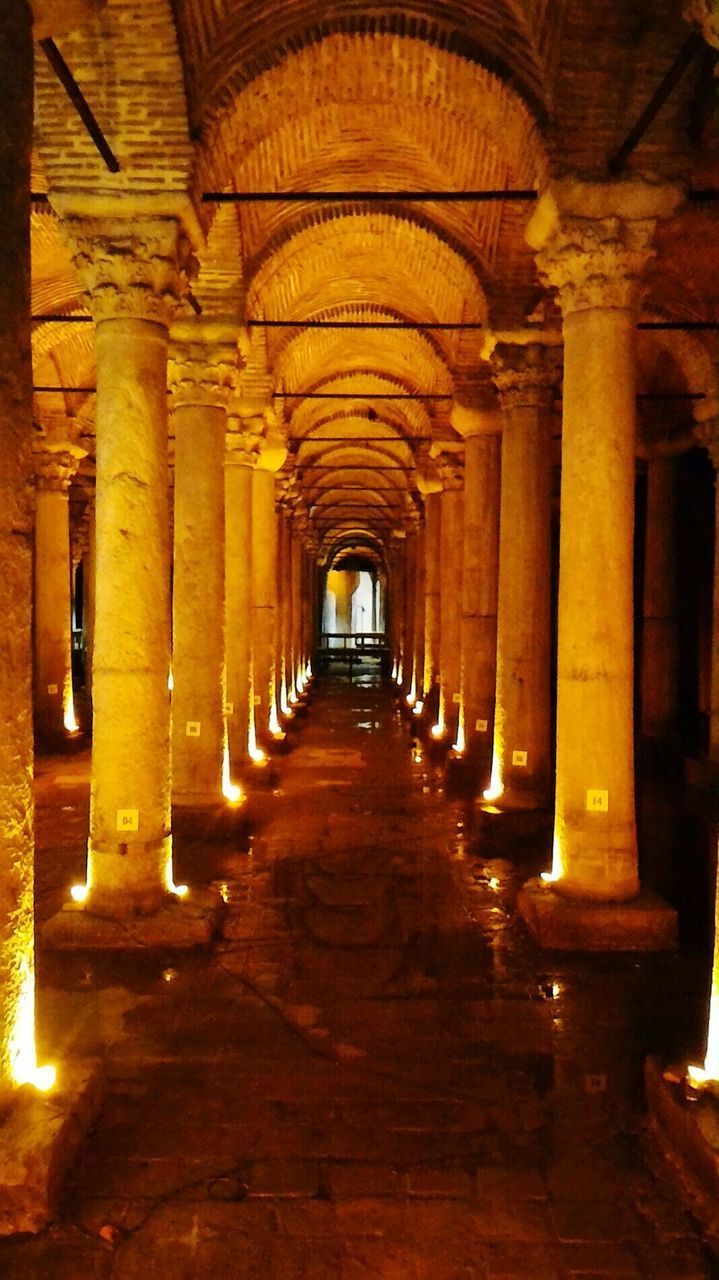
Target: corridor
374, 1073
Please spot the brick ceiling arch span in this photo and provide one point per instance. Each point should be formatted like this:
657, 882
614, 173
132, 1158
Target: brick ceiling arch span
335, 543
127, 63
415, 417
672, 369
405, 419
304, 357
239, 42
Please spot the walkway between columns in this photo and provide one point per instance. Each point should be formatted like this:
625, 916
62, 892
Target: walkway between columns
376, 1074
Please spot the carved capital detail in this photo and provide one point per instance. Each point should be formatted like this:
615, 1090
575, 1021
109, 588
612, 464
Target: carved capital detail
526, 375
132, 267
202, 373
451, 470
597, 262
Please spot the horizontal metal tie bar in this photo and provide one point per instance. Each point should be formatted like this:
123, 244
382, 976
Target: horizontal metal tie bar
641, 395
358, 395
689, 326
416, 197
356, 439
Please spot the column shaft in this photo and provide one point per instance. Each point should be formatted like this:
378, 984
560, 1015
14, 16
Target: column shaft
264, 597
52, 631
297, 647
432, 614
450, 646
479, 592
595, 832
130, 845
17, 1049
419, 614
238, 580
198, 605
521, 763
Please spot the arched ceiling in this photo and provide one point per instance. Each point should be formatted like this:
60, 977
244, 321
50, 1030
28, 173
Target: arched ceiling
297, 97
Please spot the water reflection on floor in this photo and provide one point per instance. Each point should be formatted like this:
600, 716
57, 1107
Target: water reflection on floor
375, 1073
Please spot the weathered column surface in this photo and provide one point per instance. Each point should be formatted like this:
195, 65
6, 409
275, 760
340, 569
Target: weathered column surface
264, 597
299, 521
17, 951
660, 637
410, 577
56, 461
416, 687
133, 272
240, 460
431, 488
525, 376
202, 369
594, 251
450, 596
481, 428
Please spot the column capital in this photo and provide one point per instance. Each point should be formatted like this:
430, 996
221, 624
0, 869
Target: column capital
526, 374
594, 240
56, 457
203, 361
471, 420
130, 267
242, 444
451, 469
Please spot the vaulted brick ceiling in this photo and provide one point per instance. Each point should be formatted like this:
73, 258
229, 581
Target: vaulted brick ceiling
303, 95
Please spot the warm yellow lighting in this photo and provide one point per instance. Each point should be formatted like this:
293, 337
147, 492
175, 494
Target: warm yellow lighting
551, 877
418, 708
79, 892
461, 741
496, 787
170, 681
493, 882
257, 755
68, 716
300, 684
224, 891
410, 700
437, 730
22, 1053
230, 790
274, 721
394, 670
180, 890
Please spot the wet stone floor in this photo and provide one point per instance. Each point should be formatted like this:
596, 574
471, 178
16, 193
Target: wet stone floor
374, 1073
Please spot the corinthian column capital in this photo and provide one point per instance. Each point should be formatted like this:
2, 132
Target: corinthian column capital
130, 267
595, 240
56, 456
526, 374
203, 367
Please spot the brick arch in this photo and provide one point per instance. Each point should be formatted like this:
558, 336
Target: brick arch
238, 41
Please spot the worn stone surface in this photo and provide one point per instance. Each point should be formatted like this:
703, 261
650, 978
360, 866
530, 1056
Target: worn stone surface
375, 1074
570, 924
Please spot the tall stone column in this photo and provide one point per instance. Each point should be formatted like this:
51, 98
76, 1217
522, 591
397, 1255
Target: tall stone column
432, 613
132, 269
56, 461
283, 618
526, 377
450, 596
202, 372
481, 428
660, 637
410, 577
416, 687
594, 242
240, 460
17, 944
298, 658
398, 570
264, 598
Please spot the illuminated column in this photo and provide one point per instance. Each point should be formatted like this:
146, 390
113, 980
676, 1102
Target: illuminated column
88, 582
56, 461
659, 639
17, 951
432, 615
526, 377
132, 270
595, 252
482, 445
284, 601
240, 459
264, 593
202, 369
398, 566
299, 521
410, 577
450, 595
415, 692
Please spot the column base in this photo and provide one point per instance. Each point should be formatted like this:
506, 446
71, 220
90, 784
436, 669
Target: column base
40, 1139
559, 923
688, 1134
180, 923
209, 824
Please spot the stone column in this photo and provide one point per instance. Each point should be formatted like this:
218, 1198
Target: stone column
708, 435
398, 566
526, 377
415, 693
264, 597
56, 461
298, 522
17, 947
202, 371
594, 244
432, 614
659, 638
240, 460
481, 430
133, 272
410, 577
450, 596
